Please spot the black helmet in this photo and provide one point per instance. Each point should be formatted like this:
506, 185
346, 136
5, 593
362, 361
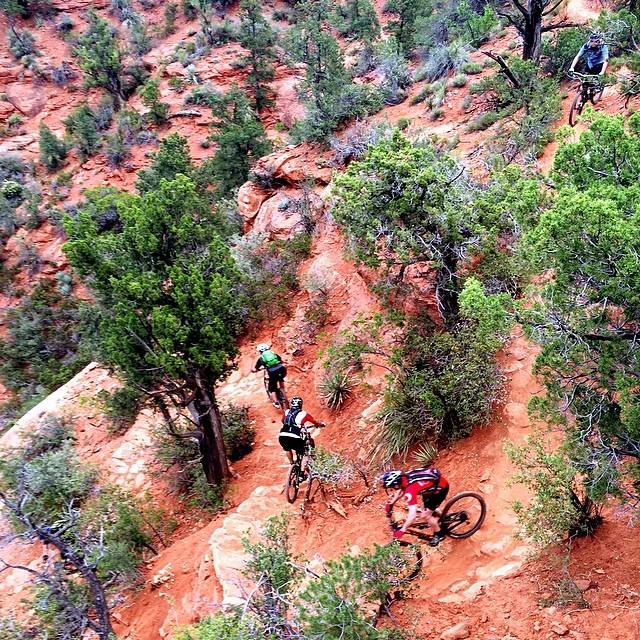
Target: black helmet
391, 479
596, 35
296, 402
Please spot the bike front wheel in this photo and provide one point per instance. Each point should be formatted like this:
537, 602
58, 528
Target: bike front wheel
463, 515
597, 95
576, 109
293, 484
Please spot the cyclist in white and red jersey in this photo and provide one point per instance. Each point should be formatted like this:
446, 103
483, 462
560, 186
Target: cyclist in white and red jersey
428, 483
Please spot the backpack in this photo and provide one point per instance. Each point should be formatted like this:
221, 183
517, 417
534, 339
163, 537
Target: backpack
424, 475
269, 359
289, 424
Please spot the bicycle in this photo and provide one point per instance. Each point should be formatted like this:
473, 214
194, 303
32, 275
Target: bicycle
280, 394
591, 90
460, 518
297, 476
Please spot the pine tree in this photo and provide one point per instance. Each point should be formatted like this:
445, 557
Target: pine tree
404, 25
359, 20
52, 149
150, 94
240, 137
257, 36
172, 158
80, 126
101, 58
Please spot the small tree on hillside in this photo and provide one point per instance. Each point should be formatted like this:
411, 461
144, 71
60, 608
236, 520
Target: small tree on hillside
81, 128
257, 36
240, 137
52, 150
150, 94
101, 58
172, 159
170, 300
529, 21
403, 26
358, 19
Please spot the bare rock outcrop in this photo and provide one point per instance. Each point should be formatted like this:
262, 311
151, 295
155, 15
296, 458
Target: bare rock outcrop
29, 100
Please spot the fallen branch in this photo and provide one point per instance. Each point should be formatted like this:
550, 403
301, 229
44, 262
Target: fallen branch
187, 113
505, 68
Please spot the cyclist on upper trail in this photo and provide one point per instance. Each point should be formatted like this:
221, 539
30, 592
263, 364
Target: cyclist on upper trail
295, 426
276, 371
594, 54
430, 484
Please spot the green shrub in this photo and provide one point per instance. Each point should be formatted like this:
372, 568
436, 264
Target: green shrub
204, 95
442, 60
425, 454
150, 93
52, 150
116, 151
336, 388
237, 431
483, 121
170, 14
81, 128
561, 49
121, 407
21, 43
471, 68
459, 80
103, 113
331, 468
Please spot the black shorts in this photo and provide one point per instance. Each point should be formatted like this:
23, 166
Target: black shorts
276, 375
595, 70
432, 501
291, 444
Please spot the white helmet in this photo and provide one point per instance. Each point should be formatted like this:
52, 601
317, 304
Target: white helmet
262, 347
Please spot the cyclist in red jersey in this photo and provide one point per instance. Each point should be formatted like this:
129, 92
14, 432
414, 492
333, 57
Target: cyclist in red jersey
430, 484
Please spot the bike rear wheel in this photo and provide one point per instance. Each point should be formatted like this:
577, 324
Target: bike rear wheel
293, 483
282, 398
463, 515
576, 109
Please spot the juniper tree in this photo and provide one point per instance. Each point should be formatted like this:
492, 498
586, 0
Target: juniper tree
52, 150
101, 57
358, 19
81, 128
258, 38
150, 94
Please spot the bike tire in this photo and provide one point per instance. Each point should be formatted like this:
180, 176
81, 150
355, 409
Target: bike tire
293, 484
477, 518
312, 488
282, 399
597, 96
576, 109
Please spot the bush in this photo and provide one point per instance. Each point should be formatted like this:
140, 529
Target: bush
63, 74
21, 43
170, 14
65, 23
356, 140
442, 60
396, 76
471, 68
204, 95
121, 407
336, 388
483, 121
237, 432
81, 128
560, 50
116, 151
103, 113
150, 93
459, 80
331, 468
52, 150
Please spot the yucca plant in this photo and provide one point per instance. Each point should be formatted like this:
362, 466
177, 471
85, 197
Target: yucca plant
425, 454
336, 388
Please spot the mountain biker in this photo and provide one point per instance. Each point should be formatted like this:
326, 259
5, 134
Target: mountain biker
594, 54
276, 371
295, 427
430, 484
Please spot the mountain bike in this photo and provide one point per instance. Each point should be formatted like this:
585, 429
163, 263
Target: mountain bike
297, 475
280, 394
460, 518
591, 90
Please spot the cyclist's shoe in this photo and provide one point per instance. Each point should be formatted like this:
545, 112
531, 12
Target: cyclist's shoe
276, 405
436, 539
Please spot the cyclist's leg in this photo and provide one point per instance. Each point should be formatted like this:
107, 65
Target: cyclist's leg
305, 457
272, 388
286, 444
431, 504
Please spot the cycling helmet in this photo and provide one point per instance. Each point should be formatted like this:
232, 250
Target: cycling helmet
296, 402
262, 347
391, 479
596, 35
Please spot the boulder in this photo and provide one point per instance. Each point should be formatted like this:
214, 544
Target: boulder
27, 99
281, 216
175, 69
250, 198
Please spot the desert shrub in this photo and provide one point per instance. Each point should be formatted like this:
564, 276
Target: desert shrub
121, 407
336, 388
331, 468
561, 49
559, 506
139, 37
471, 68
52, 150
483, 121
237, 432
150, 93
21, 43
204, 95
103, 113
63, 74
282, 15
356, 140
396, 76
440, 61
115, 149
13, 168
13, 191
81, 129
459, 80
170, 14
65, 23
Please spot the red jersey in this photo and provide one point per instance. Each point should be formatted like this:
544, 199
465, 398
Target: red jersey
414, 489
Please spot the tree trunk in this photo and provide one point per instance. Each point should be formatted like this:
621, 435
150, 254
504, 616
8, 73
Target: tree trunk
214, 458
446, 287
532, 33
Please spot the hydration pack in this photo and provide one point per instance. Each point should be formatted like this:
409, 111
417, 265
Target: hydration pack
424, 475
289, 424
269, 359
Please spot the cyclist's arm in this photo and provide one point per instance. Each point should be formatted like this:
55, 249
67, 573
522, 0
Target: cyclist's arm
575, 61
411, 516
604, 66
395, 497
259, 365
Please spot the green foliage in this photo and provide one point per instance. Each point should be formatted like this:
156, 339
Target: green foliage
52, 150
331, 468
561, 49
558, 507
80, 127
171, 160
459, 80
237, 431
241, 140
41, 349
396, 76
330, 96
258, 38
170, 14
150, 93
21, 43
483, 121
403, 25
218, 627
357, 19
471, 68
121, 407
100, 56
425, 454
336, 388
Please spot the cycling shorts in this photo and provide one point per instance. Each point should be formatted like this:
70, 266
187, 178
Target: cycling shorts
276, 375
291, 443
432, 500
